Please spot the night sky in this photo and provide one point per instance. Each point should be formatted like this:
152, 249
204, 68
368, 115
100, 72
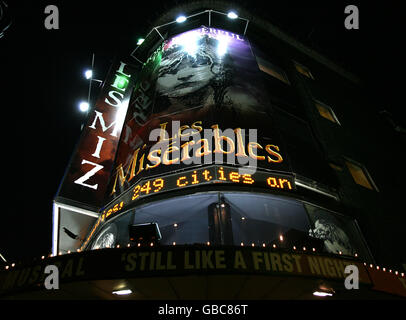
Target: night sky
42, 82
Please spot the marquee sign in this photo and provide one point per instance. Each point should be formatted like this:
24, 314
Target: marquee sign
197, 177
177, 260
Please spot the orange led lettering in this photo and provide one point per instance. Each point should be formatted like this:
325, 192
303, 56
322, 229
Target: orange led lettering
158, 184
221, 173
136, 192
194, 176
247, 179
180, 184
146, 187
234, 177
282, 181
206, 175
272, 182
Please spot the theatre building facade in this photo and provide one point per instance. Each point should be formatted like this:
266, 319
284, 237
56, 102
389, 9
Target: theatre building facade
224, 159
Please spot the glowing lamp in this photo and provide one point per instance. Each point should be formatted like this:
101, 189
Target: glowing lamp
83, 106
232, 15
180, 19
122, 292
88, 74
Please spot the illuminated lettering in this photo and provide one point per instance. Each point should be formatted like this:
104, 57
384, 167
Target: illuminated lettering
255, 145
273, 153
146, 188
282, 181
136, 193
240, 144
194, 176
180, 184
88, 175
217, 141
221, 173
99, 116
117, 97
165, 158
163, 132
196, 127
154, 159
247, 179
158, 184
234, 177
186, 151
141, 165
100, 142
206, 175
205, 147
272, 182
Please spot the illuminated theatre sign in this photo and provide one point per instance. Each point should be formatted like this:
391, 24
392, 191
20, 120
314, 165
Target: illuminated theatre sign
89, 170
198, 101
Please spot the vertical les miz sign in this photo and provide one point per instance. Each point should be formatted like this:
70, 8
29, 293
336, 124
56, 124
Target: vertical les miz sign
89, 171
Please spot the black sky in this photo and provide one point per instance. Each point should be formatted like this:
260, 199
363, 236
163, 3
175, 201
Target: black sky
42, 82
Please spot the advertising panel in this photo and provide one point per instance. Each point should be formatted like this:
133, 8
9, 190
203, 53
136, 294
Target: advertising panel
199, 101
175, 261
88, 173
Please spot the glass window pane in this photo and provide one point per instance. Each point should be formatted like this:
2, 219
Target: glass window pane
181, 220
303, 70
272, 70
359, 175
325, 112
262, 219
339, 233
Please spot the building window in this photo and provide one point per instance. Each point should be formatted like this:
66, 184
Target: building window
335, 166
326, 112
303, 70
360, 175
272, 70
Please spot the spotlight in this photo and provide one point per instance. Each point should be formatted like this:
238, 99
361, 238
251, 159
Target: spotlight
322, 294
232, 15
88, 74
83, 106
122, 292
180, 19
140, 41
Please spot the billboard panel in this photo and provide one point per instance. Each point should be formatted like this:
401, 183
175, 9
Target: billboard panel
88, 173
198, 101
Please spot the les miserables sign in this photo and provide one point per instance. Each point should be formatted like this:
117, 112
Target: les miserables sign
89, 170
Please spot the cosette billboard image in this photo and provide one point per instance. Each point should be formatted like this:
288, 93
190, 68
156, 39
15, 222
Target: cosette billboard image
198, 101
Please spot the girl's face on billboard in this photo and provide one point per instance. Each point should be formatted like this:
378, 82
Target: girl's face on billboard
186, 68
